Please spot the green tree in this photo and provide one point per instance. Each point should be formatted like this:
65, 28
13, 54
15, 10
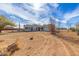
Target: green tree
4, 21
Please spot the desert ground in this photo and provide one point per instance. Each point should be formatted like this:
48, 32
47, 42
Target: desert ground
42, 44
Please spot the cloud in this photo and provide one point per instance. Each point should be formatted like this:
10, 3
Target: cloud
68, 16
17, 11
33, 12
55, 5
37, 6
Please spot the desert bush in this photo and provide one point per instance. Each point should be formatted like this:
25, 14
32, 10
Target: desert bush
73, 29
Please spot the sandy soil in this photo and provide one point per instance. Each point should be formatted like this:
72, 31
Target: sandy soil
41, 44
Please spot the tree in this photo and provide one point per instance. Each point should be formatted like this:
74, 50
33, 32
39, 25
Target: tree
4, 21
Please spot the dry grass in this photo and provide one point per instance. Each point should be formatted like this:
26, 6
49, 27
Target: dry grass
69, 36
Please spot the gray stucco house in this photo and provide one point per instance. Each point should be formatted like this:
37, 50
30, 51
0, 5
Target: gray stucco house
35, 27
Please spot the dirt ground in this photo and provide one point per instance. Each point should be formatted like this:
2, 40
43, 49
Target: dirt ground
41, 44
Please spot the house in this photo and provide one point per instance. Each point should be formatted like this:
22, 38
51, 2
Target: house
9, 28
35, 27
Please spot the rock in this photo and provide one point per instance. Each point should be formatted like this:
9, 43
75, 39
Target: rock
31, 38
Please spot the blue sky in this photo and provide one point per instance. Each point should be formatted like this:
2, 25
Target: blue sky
39, 13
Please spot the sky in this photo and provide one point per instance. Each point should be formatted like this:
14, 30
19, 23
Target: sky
65, 14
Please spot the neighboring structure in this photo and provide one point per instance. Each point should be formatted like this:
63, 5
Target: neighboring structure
9, 28
35, 27
77, 26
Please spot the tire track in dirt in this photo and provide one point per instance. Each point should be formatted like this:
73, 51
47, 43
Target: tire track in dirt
46, 44
71, 48
36, 51
57, 44
41, 50
56, 47
44, 47
61, 49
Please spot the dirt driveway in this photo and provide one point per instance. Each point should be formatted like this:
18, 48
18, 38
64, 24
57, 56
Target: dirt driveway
41, 44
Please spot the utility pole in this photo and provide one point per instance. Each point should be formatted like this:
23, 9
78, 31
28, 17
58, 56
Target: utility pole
19, 26
59, 25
